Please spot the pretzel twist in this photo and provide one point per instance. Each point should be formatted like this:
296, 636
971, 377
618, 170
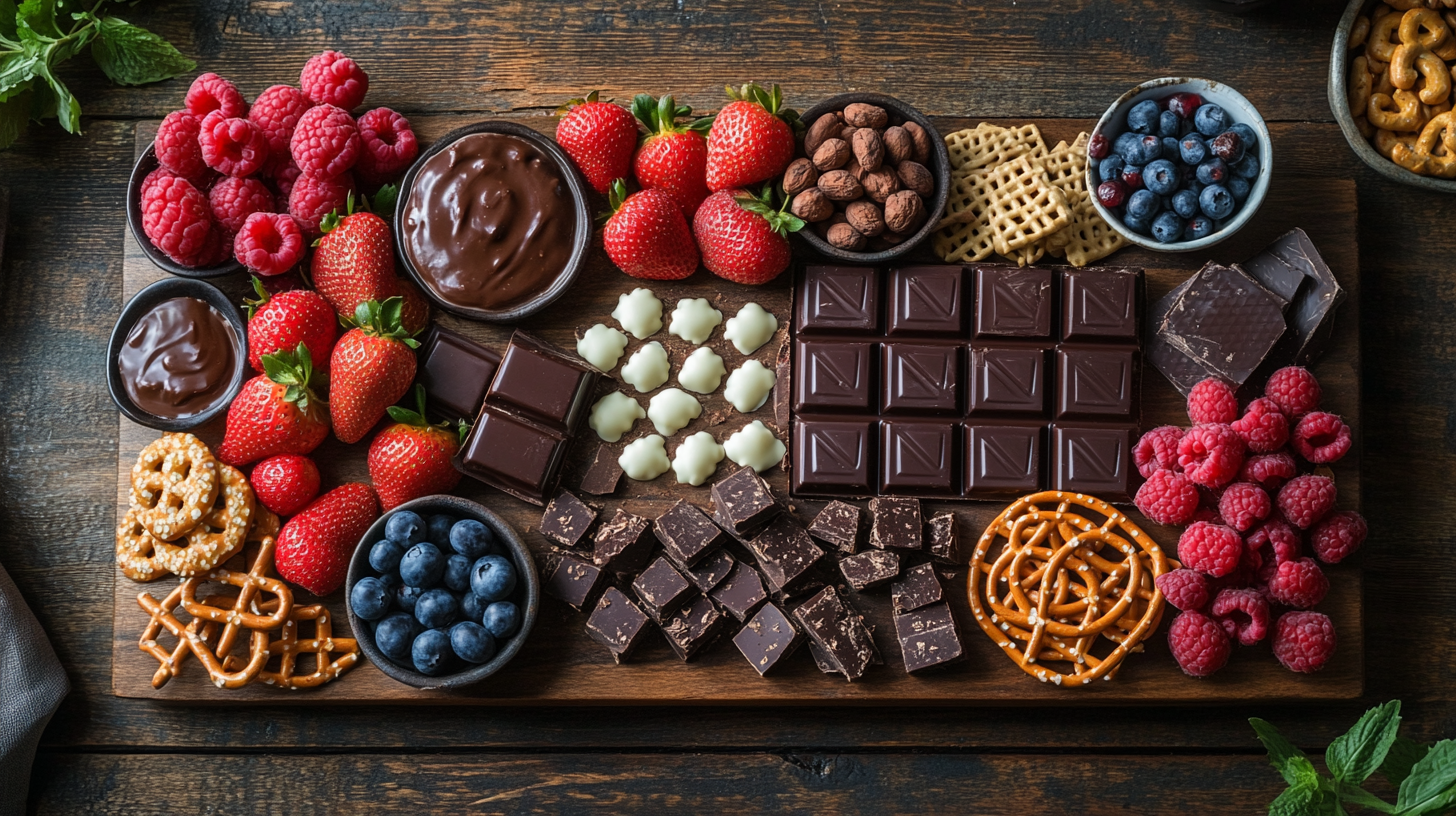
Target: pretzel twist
1433, 152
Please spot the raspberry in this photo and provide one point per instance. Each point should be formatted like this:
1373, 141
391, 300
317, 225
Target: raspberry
1268, 470
1185, 589
312, 198
1167, 498
276, 112
1212, 400
1212, 549
326, 142
175, 217
1243, 505
1208, 514
1275, 541
1198, 643
233, 147
284, 176
1294, 390
211, 92
1321, 438
269, 243
331, 78
1299, 583
234, 199
1157, 450
1262, 427
1243, 614
1304, 641
1339, 535
387, 145
217, 248
1211, 455
1304, 500
177, 147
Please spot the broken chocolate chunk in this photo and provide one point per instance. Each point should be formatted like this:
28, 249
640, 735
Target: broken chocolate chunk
567, 520
743, 503
928, 637
686, 533
785, 552
604, 474
574, 581
711, 571
919, 587
870, 568
1219, 323
661, 589
692, 628
1312, 311
768, 639
895, 523
617, 624
838, 524
845, 643
623, 543
741, 592
941, 541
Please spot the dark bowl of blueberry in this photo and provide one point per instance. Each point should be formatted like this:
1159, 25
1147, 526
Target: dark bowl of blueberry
441, 593
1179, 164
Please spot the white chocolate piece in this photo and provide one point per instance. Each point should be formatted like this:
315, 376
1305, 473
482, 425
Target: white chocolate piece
755, 446
602, 346
647, 368
702, 371
749, 386
640, 313
696, 458
751, 328
645, 459
614, 415
694, 320
672, 409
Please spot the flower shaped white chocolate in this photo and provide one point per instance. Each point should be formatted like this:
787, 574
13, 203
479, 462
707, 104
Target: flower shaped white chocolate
702, 371
755, 446
645, 459
614, 415
647, 367
696, 458
602, 346
672, 409
694, 320
640, 313
748, 386
751, 328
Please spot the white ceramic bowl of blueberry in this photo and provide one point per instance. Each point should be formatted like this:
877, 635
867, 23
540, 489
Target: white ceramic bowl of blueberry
441, 593
1201, 196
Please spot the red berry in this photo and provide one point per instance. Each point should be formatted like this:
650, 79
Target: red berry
1339, 535
286, 484
1157, 450
1112, 193
177, 147
750, 141
1304, 641
1276, 542
1299, 583
741, 238
211, 92
1184, 104
276, 112
1294, 390
176, 218
1212, 400
1304, 500
600, 137
269, 243
233, 147
284, 175
1198, 643
1167, 498
647, 236
233, 199
325, 143
1185, 589
1212, 549
1263, 427
331, 78
1243, 505
314, 546
1243, 614
1211, 454
387, 146
1321, 438
1132, 177
1098, 147
280, 321
1269, 470
313, 197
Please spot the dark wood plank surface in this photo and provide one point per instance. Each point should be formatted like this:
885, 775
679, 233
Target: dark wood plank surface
61, 282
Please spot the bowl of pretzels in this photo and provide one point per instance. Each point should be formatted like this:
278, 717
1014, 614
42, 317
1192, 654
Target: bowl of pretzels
1392, 67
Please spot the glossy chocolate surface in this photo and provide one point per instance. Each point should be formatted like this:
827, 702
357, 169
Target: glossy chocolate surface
455, 371
178, 359
567, 519
1013, 302
925, 300
1101, 304
575, 581
841, 300
895, 523
693, 628
686, 533
743, 503
661, 589
618, 624
1093, 459
785, 553
838, 524
928, 638
541, 383
741, 592
512, 454
919, 586
767, 639
869, 569
844, 642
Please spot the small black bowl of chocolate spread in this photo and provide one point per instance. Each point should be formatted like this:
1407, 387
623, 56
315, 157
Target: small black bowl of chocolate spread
492, 222
178, 355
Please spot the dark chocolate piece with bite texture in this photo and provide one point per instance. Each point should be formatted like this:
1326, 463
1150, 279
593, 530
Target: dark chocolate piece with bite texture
918, 587
1096, 382
1094, 460
1003, 458
1006, 380
743, 503
895, 523
784, 552
741, 592
604, 474
870, 568
918, 457
661, 589
833, 375
834, 456
692, 628
928, 638
838, 524
1100, 304
844, 642
919, 378
1224, 321
686, 533
844, 300
538, 381
1013, 301
768, 639
579, 583
1312, 311
455, 372
623, 543
925, 300
617, 624
567, 520
941, 541
531, 469
711, 571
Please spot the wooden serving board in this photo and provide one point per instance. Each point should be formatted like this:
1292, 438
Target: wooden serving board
561, 665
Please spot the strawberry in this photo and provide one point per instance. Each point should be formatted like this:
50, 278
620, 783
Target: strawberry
599, 137
742, 237
647, 236
285, 484
673, 158
275, 412
411, 458
752, 138
353, 262
314, 547
282, 321
372, 367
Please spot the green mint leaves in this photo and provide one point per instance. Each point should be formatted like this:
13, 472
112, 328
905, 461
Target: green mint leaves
135, 56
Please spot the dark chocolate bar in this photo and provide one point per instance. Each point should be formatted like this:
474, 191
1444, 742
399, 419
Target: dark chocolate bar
1312, 310
844, 642
455, 372
686, 533
768, 639
617, 624
1095, 460
711, 571
577, 582
541, 383
1225, 322
838, 524
567, 520
692, 628
741, 592
941, 541
603, 475
1013, 302
661, 589
743, 503
869, 569
925, 300
928, 638
513, 454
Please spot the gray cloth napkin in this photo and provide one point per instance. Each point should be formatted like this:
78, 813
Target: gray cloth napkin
32, 684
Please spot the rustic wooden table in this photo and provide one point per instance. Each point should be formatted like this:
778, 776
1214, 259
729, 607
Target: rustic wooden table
1037, 58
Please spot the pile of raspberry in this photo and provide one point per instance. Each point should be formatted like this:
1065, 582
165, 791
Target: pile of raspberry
1252, 491
254, 181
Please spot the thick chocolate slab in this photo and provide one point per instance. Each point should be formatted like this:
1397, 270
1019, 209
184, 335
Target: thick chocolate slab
918, 457
567, 520
743, 503
711, 571
693, 628
1312, 310
842, 300
618, 624
928, 638
869, 569
575, 581
920, 378
918, 587
833, 375
741, 592
925, 300
895, 523
1008, 380
1096, 382
456, 372
838, 524
533, 467
541, 383
1101, 304
1003, 458
834, 456
1093, 459
623, 543
661, 589
1224, 321
1013, 302
784, 552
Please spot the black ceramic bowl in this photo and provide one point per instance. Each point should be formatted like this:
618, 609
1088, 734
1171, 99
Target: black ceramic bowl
527, 594
939, 167
145, 164
139, 305
581, 238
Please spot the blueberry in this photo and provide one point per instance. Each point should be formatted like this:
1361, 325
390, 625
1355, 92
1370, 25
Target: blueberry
1196, 186
1139, 225
370, 599
1192, 149
405, 528
1200, 226
1167, 123
502, 619
391, 581
431, 651
1228, 146
1167, 227
1239, 187
437, 529
1185, 203
1142, 205
1213, 171
1248, 168
472, 608
492, 578
422, 565
1161, 177
1216, 201
395, 634
1128, 146
472, 539
457, 572
1110, 168
1152, 148
407, 596
1143, 118
1210, 120
384, 556
437, 608
1247, 134
472, 642
1170, 148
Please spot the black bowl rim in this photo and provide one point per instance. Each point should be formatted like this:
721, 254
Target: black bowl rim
520, 554
581, 242
942, 179
149, 296
146, 163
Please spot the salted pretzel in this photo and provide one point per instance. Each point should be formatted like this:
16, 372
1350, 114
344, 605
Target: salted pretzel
162, 617
322, 646
1055, 574
1400, 112
1433, 152
136, 549
220, 532
1425, 45
173, 483
249, 584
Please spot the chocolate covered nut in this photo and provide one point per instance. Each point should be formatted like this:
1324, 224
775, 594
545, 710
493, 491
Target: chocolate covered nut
914, 176
847, 133
800, 176
825, 127
812, 205
823, 227
921, 140
831, 155
865, 217
899, 146
864, 115
904, 212
879, 184
845, 237
839, 185
869, 149
854, 169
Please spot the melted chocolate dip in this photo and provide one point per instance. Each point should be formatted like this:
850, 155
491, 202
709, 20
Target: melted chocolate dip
489, 222
178, 359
